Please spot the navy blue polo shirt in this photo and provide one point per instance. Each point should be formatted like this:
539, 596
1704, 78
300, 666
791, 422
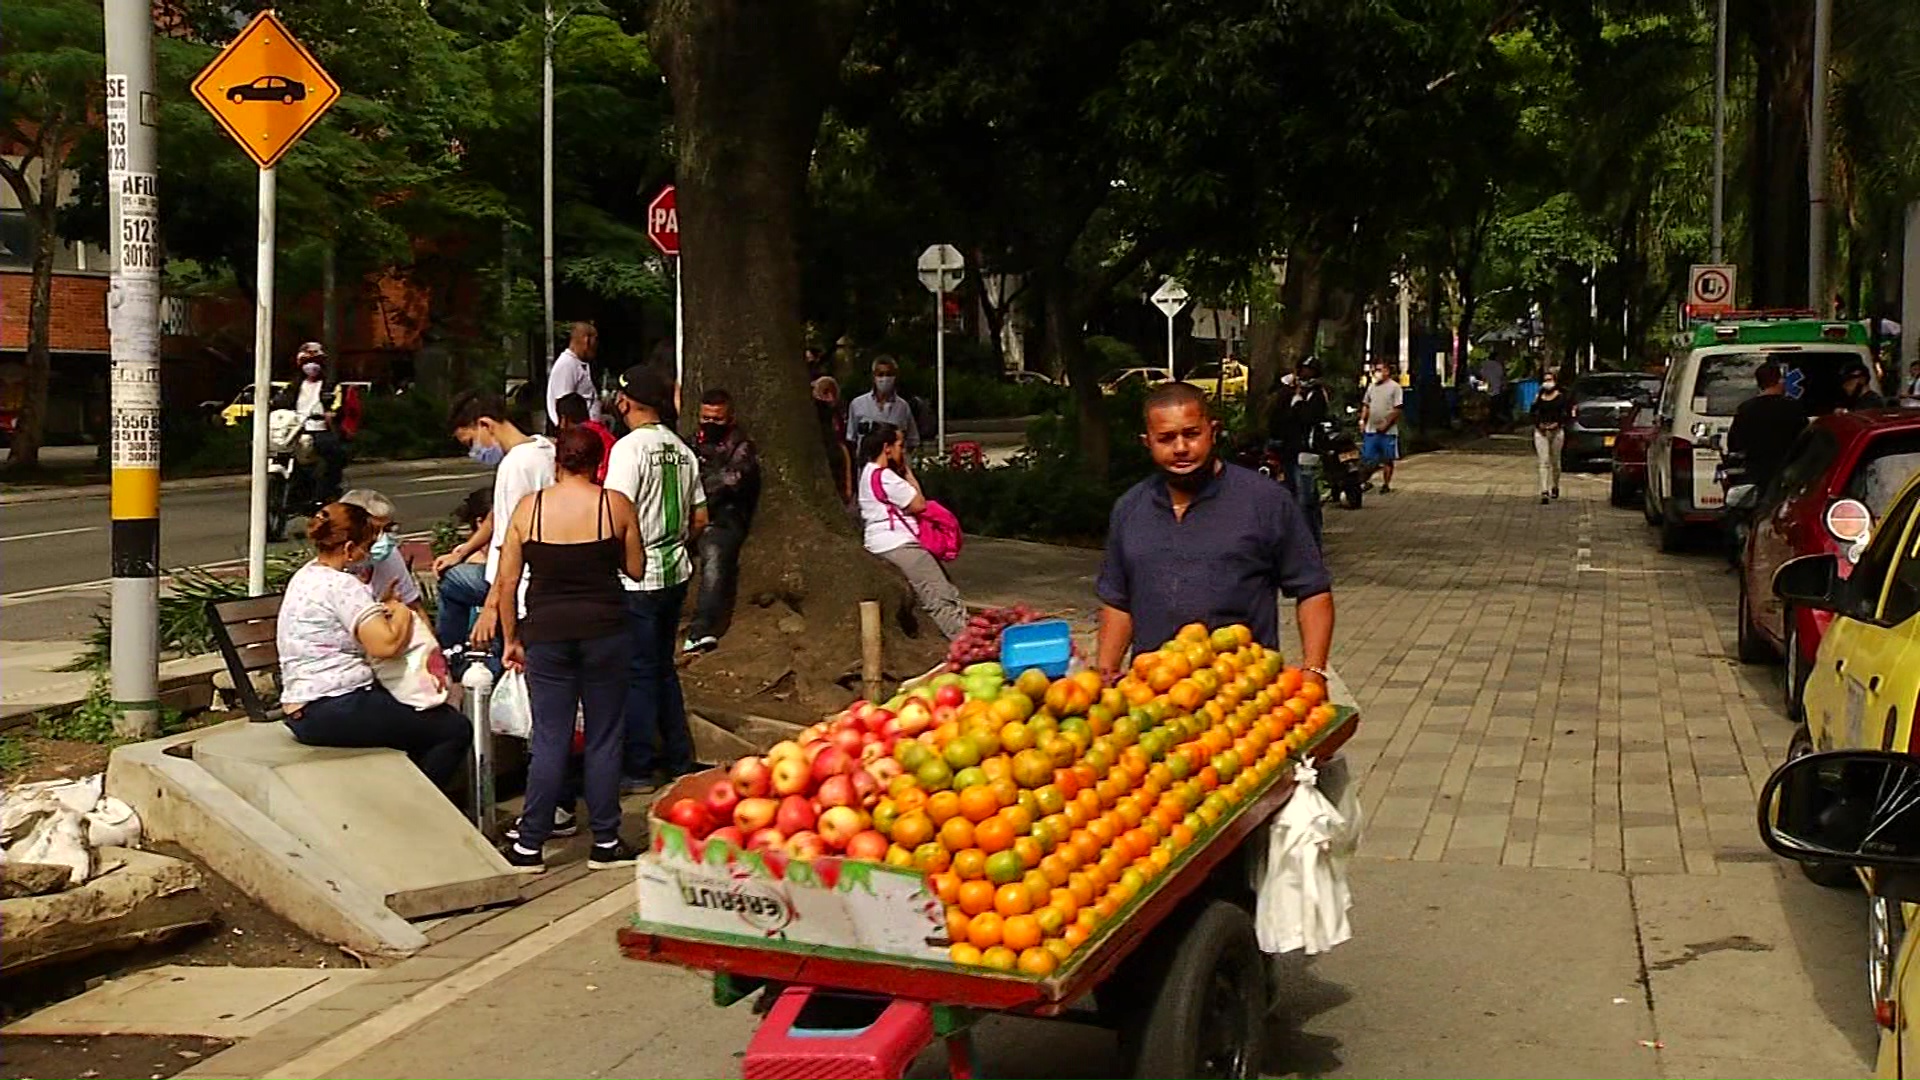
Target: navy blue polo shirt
1243, 538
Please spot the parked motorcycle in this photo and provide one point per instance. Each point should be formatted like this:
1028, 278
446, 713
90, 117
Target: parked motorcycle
1742, 498
1340, 464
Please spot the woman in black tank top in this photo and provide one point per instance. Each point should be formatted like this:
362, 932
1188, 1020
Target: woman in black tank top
567, 546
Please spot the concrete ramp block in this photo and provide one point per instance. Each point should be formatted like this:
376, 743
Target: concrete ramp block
368, 811
179, 801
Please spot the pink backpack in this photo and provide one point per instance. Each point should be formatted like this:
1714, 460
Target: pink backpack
938, 531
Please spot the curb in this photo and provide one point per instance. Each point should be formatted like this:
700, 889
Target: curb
36, 493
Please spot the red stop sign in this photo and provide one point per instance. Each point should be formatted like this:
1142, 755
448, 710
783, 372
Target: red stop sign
663, 222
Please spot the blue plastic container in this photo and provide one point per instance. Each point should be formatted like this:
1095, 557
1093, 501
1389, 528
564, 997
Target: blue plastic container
1047, 645
1524, 391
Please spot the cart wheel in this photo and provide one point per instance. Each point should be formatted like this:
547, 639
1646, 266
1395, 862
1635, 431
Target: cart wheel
1209, 1015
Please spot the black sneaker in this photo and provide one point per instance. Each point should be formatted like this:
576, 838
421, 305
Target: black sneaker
1556, 493
612, 855
1386, 489
524, 861
1543, 499
564, 825
702, 643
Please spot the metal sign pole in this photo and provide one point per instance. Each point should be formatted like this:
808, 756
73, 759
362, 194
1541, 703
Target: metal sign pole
133, 319
940, 358
262, 386
679, 324
1170, 372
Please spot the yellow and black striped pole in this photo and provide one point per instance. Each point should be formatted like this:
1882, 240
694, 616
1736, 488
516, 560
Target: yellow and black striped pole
133, 323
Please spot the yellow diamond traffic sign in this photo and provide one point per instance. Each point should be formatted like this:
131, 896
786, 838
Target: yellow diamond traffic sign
266, 89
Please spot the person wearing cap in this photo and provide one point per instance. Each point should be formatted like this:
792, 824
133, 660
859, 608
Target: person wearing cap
385, 572
661, 475
1296, 421
1856, 389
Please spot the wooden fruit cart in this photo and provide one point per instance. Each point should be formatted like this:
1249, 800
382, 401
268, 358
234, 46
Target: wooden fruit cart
1194, 1004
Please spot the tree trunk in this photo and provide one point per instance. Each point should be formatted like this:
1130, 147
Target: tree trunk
1065, 316
743, 148
1300, 298
44, 212
1782, 35
329, 331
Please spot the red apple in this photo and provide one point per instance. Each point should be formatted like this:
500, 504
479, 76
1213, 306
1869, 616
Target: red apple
814, 748
866, 789
876, 718
691, 815
838, 791
884, 770
841, 824
766, 840
832, 761
721, 799
867, 845
950, 697
791, 776
754, 814
849, 740
944, 713
806, 845
788, 748
729, 834
751, 778
796, 813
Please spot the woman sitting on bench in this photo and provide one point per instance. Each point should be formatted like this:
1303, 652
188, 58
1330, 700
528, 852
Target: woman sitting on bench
330, 627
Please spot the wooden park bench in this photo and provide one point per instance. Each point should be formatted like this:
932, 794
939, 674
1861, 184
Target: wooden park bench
245, 630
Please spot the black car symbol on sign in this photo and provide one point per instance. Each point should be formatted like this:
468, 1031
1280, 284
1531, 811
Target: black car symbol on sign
269, 88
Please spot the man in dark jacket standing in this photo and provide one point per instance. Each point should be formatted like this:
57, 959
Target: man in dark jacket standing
1298, 412
730, 475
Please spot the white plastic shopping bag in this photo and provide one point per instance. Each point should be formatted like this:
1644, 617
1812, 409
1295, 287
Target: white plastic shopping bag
418, 678
1303, 895
510, 709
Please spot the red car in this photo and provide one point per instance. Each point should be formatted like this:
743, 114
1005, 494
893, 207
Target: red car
1836, 483
1630, 455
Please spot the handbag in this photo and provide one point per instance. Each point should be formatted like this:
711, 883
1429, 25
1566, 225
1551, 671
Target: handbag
418, 678
937, 530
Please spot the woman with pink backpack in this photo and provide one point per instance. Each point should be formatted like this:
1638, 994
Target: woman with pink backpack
902, 526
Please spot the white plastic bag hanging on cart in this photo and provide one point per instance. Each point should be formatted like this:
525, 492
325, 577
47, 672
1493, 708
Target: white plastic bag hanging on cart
1302, 881
510, 709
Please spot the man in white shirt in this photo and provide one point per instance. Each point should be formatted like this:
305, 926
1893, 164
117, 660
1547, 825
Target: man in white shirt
882, 405
651, 466
522, 464
571, 375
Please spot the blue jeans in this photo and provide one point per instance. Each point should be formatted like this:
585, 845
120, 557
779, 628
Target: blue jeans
463, 592
719, 578
657, 733
1305, 481
437, 739
585, 677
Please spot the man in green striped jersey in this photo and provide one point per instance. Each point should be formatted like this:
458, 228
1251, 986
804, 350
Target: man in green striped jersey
651, 466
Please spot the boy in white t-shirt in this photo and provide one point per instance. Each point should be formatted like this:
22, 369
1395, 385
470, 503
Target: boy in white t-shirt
522, 464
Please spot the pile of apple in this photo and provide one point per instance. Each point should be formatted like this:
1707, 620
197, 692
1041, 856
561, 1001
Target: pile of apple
980, 642
814, 796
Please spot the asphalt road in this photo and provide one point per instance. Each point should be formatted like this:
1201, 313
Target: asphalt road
54, 554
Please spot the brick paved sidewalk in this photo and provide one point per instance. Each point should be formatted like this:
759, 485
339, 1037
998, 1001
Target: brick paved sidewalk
1543, 688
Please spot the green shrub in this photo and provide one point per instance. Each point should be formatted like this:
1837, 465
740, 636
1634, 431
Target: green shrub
1112, 354
190, 445
184, 627
403, 427
92, 720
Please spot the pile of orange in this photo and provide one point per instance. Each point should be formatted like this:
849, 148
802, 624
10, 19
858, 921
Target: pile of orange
1037, 823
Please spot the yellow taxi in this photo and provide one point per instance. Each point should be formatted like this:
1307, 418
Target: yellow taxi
1863, 694
1861, 809
1220, 380
241, 409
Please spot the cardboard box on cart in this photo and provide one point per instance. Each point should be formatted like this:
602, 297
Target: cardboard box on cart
756, 897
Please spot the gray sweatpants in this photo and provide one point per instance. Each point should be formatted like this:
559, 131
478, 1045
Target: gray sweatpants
931, 587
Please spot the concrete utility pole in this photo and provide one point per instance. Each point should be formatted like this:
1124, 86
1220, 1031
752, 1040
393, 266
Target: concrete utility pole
1719, 136
1817, 161
133, 322
264, 242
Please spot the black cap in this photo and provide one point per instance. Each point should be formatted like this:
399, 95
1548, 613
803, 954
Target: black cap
645, 386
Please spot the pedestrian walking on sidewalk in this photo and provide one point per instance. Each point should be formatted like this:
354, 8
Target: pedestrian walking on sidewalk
730, 475
654, 469
329, 629
882, 405
571, 373
1380, 409
1296, 427
1550, 411
890, 503
573, 539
